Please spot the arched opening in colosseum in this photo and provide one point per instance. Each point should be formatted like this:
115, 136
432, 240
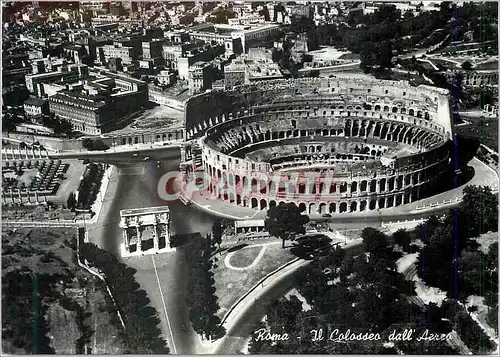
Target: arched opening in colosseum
245, 182
390, 201
381, 203
218, 174
253, 185
237, 179
382, 185
399, 182
373, 204
224, 178
302, 207
416, 179
403, 110
343, 187
394, 109
354, 206
332, 208
311, 148
272, 204
322, 208
386, 108
321, 187
355, 128
303, 133
391, 183
377, 108
411, 112
362, 205
312, 208
419, 114
340, 132
427, 116
263, 204
255, 203
373, 185
238, 199
363, 186
399, 200
373, 153
354, 186
263, 186
302, 188
318, 148
245, 201
325, 132
272, 188
343, 207
384, 131
333, 188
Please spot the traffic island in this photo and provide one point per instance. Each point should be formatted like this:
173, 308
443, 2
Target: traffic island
245, 268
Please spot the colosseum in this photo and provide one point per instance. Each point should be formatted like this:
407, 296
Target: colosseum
330, 145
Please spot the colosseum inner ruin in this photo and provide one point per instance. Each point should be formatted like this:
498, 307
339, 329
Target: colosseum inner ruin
330, 145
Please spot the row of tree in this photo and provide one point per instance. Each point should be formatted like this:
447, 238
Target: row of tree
88, 188
201, 298
142, 335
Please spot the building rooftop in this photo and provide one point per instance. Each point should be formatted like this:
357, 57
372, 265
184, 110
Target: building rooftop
35, 101
143, 211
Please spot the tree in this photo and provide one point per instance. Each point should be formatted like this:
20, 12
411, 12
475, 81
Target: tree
471, 271
467, 66
88, 144
285, 221
100, 145
403, 238
479, 210
217, 231
71, 202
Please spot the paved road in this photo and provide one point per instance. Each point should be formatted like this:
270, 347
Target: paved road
164, 279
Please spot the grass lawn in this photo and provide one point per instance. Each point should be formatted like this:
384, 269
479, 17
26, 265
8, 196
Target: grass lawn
231, 284
64, 330
104, 340
483, 129
244, 257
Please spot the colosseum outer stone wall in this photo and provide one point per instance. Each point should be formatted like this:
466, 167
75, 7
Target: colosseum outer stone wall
331, 145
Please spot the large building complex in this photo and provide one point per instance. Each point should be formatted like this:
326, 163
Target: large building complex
330, 145
101, 103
